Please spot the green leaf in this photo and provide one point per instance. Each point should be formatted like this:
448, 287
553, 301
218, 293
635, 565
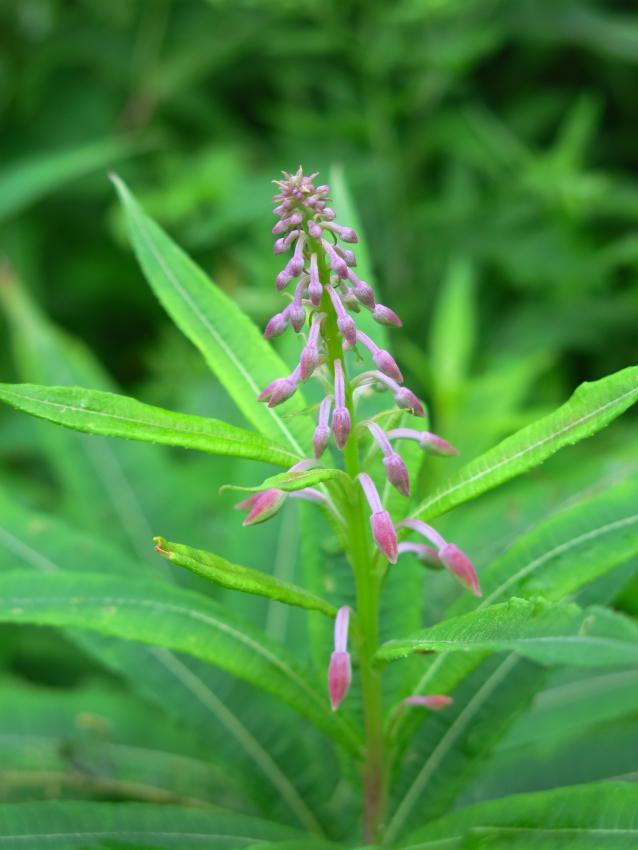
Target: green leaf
186, 688
291, 481
28, 180
176, 619
231, 344
545, 632
61, 826
592, 407
108, 414
245, 579
583, 817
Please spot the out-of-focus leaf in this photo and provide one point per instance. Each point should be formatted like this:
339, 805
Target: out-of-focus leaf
176, 619
579, 818
62, 826
108, 414
231, 344
28, 180
591, 408
550, 633
240, 578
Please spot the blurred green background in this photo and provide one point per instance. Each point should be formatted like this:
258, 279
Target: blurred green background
499, 131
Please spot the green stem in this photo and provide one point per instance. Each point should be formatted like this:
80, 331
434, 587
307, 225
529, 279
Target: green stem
368, 585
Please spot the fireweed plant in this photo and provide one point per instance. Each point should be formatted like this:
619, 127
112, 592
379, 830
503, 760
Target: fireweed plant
355, 454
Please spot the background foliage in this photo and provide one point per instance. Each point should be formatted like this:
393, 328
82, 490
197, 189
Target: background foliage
490, 149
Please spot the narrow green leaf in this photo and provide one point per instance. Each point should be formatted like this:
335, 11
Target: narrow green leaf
176, 619
108, 414
291, 481
549, 633
231, 344
189, 690
453, 331
28, 180
61, 826
583, 817
245, 579
592, 407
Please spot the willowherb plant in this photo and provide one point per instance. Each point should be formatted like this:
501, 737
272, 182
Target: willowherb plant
406, 751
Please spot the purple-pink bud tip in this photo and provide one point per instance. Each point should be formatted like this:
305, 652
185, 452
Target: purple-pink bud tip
460, 565
385, 316
261, 506
386, 363
406, 400
385, 535
397, 472
341, 426
436, 445
339, 678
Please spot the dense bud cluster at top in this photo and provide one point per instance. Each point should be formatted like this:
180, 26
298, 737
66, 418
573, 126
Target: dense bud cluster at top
326, 297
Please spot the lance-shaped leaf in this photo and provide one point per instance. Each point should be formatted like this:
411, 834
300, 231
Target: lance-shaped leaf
591, 408
169, 617
231, 344
245, 579
601, 815
109, 414
549, 633
62, 826
291, 481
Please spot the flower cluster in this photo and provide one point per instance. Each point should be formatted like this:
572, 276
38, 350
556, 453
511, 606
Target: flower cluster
326, 295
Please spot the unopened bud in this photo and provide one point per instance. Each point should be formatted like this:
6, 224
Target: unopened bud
435, 702
385, 316
385, 535
341, 426
261, 506
277, 325
397, 472
406, 400
339, 678
460, 565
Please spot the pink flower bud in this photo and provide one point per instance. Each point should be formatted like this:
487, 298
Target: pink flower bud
406, 400
385, 316
280, 390
338, 264
435, 702
297, 316
339, 678
385, 535
314, 229
296, 263
347, 254
315, 289
397, 472
277, 325
296, 218
431, 443
347, 234
364, 294
281, 226
347, 329
386, 363
322, 432
341, 426
283, 278
261, 506
460, 565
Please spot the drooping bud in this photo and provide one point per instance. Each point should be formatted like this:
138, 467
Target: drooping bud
345, 323
435, 702
340, 671
383, 360
280, 390
431, 443
406, 400
296, 311
277, 325
341, 415
347, 254
314, 229
310, 355
383, 530
397, 473
322, 432
347, 234
337, 263
395, 468
296, 263
385, 316
460, 565
315, 289
362, 290
452, 558
261, 506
